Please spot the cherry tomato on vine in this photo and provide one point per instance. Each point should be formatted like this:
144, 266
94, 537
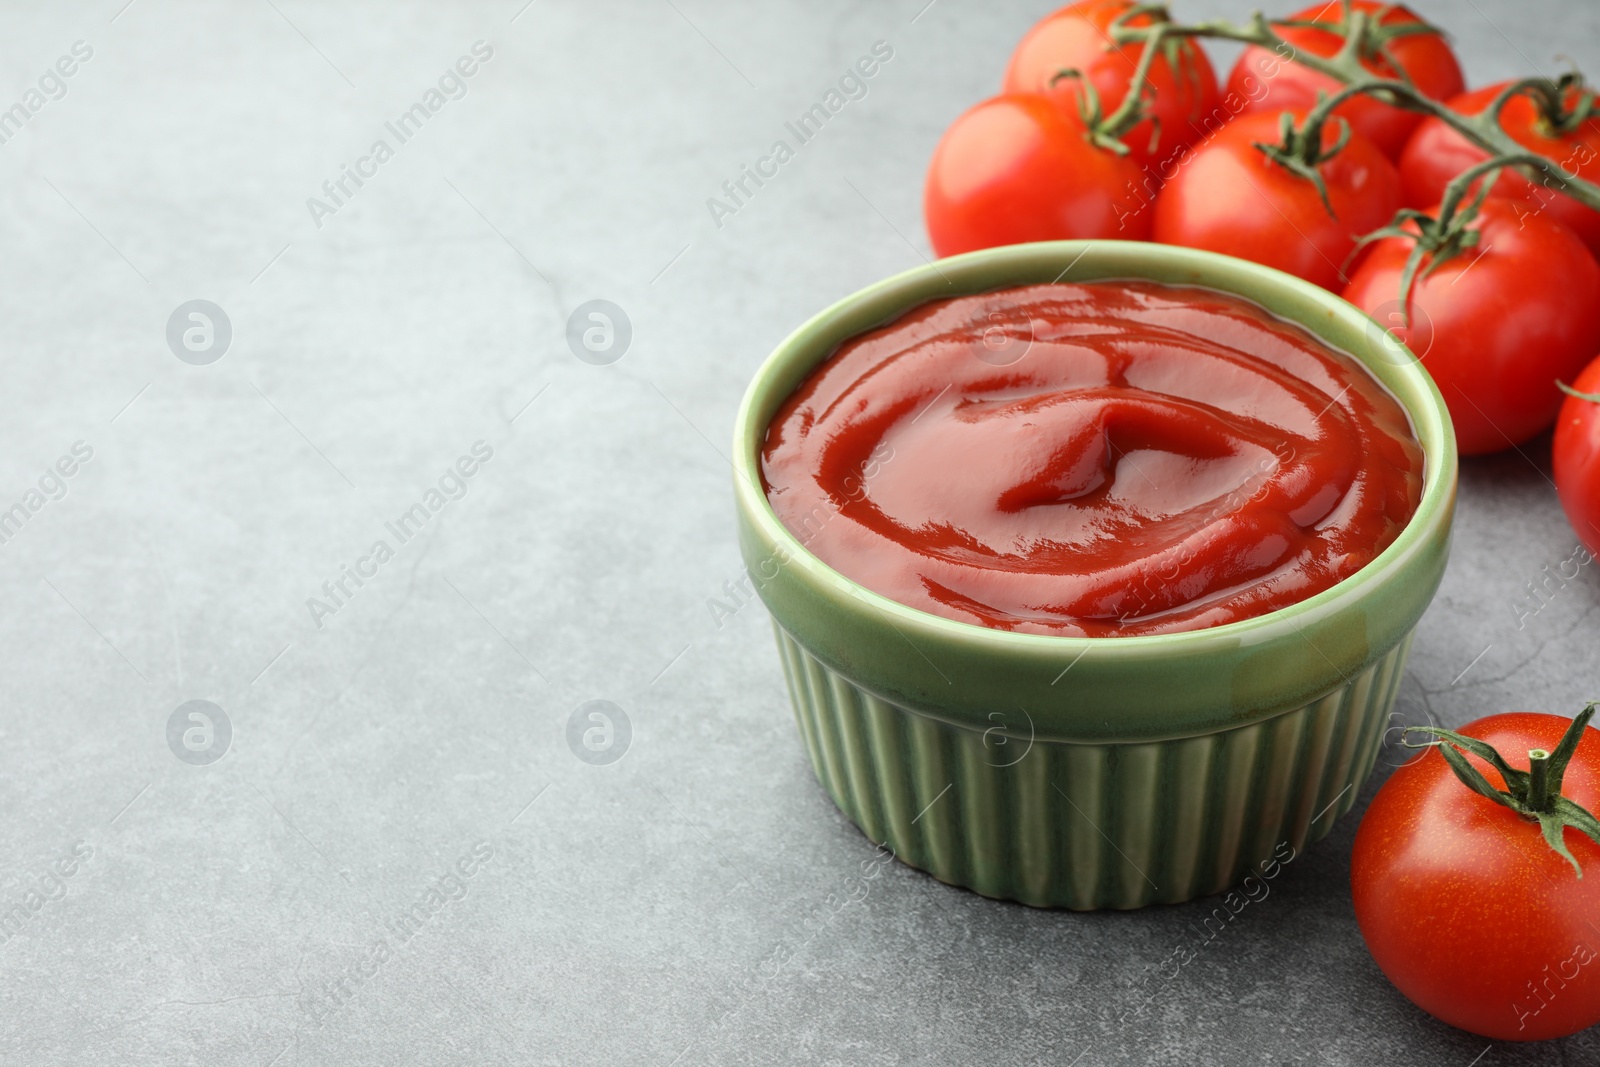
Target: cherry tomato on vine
1017, 168
1077, 38
1229, 197
1463, 903
1436, 153
1577, 457
1495, 325
1272, 82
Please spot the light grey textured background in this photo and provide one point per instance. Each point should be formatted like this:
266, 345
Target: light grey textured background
631, 913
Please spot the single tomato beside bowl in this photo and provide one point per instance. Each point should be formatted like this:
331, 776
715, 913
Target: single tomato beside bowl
1462, 897
1576, 450
1017, 168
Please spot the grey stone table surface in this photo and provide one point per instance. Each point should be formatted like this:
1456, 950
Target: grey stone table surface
404, 740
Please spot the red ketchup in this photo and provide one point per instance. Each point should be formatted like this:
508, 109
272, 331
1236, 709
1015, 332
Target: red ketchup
1094, 460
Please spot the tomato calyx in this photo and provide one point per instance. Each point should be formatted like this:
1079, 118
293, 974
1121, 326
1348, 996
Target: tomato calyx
1099, 129
1300, 150
1153, 33
1437, 240
1562, 106
1534, 794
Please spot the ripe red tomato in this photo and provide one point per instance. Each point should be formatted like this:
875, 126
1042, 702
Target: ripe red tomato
1436, 153
1495, 325
1016, 168
1228, 197
1464, 906
1273, 82
1077, 38
1577, 458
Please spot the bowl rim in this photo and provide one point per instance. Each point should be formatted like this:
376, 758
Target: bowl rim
1424, 407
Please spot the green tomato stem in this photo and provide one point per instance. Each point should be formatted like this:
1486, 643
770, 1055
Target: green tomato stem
1535, 793
1593, 398
1538, 780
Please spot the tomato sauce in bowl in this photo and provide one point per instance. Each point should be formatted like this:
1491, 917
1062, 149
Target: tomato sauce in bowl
1103, 459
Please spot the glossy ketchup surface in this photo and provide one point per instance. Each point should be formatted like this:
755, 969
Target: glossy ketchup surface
1102, 459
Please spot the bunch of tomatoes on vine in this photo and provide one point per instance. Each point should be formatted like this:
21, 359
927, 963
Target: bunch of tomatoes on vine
1343, 148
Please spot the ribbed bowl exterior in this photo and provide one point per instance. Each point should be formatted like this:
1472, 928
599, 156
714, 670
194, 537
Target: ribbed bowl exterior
1085, 826
1093, 772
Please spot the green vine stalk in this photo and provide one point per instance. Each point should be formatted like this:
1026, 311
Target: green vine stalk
1364, 38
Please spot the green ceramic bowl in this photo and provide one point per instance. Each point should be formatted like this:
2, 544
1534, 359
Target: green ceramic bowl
1093, 772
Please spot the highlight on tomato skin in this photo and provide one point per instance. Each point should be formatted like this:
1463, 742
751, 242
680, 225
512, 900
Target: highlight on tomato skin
1576, 457
1425, 58
1016, 168
1435, 153
1228, 197
1495, 326
1463, 905
1075, 38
